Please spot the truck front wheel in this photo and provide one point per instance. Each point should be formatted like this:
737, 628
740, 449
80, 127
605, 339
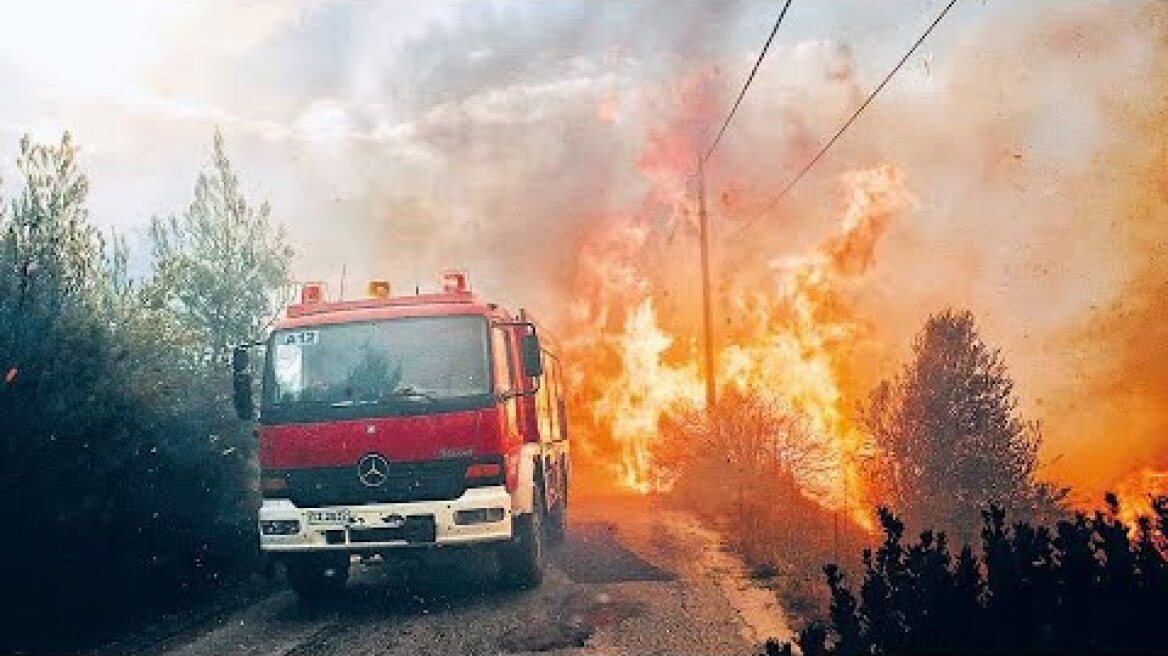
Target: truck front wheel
521, 560
316, 576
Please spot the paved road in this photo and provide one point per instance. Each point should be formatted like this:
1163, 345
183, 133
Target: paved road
630, 579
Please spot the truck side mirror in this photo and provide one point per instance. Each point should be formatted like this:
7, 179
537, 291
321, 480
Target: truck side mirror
532, 356
241, 383
239, 359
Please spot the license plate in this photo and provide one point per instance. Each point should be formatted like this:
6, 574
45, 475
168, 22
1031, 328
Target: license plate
328, 517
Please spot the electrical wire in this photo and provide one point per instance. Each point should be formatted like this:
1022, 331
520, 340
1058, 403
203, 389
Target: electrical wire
750, 78
847, 124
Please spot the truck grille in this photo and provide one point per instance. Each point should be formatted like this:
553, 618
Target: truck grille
433, 480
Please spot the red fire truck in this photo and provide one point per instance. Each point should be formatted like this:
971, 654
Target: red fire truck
407, 422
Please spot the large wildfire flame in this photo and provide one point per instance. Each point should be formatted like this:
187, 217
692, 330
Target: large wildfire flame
784, 342
1056, 250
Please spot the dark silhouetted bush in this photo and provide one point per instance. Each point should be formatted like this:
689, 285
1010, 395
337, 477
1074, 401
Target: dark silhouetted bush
1092, 585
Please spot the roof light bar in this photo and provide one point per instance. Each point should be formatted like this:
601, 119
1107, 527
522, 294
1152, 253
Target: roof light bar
378, 288
312, 293
455, 281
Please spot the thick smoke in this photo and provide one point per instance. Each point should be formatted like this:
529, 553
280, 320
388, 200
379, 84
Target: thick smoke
1040, 168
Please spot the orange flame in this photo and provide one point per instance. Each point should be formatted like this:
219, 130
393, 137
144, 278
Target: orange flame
1135, 494
785, 343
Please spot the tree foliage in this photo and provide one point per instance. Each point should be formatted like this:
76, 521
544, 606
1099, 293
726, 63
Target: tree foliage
950, 434
1090, 585
129, 476
218, 264
50, 284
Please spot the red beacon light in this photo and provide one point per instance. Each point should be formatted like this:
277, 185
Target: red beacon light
311, 293
455, 282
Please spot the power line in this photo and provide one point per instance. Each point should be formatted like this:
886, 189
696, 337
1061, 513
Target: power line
750, 78
707, 307
847, 124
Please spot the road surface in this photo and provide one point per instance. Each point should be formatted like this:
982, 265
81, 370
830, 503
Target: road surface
631, 578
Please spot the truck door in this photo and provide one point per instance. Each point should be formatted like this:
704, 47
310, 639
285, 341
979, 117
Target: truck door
504, 366
552, 434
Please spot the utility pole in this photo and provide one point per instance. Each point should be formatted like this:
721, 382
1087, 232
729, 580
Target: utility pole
707, 309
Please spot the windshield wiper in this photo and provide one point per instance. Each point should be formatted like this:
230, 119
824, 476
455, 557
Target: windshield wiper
349, 403
406, 391
414, 393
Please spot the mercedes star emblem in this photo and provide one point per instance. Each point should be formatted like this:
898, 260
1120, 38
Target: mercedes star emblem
373, 470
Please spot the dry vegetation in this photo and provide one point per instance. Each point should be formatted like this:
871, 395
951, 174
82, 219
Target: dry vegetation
738, 469
944, 439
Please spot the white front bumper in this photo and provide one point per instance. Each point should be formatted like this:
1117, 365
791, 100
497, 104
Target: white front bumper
325, 536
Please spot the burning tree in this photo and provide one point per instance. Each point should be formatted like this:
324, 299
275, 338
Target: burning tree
949, 432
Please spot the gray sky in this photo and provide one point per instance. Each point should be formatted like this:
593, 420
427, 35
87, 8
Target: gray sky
326, 103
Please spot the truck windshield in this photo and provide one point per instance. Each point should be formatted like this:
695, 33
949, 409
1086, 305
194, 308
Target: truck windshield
409, 361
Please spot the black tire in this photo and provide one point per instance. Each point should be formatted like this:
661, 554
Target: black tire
521, 560
557, 523
315, 577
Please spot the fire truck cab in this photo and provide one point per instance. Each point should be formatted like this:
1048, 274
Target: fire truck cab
407, 422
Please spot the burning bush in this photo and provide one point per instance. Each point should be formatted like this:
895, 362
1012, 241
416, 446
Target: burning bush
1088, 585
